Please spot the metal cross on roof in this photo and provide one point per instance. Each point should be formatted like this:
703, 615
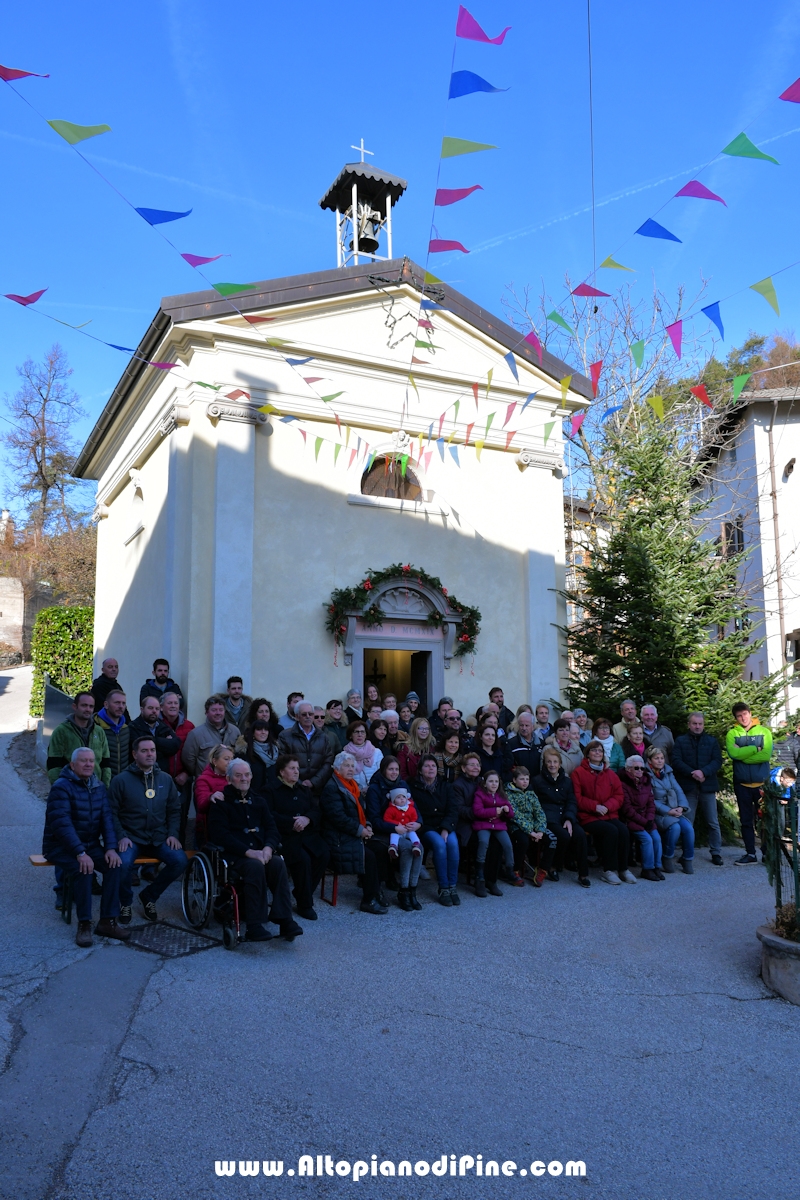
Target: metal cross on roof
362, 149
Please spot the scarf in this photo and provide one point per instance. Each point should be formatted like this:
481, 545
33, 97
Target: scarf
362, 754
638, 747
265, 751
607, 744
354, 791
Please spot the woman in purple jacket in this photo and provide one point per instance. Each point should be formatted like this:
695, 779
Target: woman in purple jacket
492, 812
638, 811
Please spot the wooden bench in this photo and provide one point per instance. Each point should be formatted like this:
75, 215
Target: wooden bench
39, 860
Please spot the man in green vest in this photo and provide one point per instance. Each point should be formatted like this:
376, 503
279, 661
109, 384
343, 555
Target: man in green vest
749, 744
77, 731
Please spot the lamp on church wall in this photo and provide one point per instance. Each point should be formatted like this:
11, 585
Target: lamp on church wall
362, 198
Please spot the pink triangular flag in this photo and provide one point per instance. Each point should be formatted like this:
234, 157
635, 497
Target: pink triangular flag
313, 378
441, 421
304, 435
509, 413
467, 27
197, 260
792, 93
594, 374
469, 431
338, 424
533, 340
353, 453
512, 433
428, 458
675, 331
426, 324
584, 289
26, 300
702, 394
577, 421
699, 191
9, 74
441, 245
475, 393
234, 395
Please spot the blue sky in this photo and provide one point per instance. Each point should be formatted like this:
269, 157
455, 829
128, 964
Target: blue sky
247, 114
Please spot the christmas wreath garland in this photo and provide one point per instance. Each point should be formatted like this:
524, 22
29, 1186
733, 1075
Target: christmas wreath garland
344, 600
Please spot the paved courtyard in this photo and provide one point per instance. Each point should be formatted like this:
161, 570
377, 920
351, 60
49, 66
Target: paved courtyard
625, 1027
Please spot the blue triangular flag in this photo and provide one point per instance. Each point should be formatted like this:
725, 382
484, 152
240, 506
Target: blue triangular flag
159, 216
430, 305
285, 419
299, 362
512, 364
440, 444
454, 452
606, 415
712, 312
430, 432
652, 229
124, 349
527, 402
463, 83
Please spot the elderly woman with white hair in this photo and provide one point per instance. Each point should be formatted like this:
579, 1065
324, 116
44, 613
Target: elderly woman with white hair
242, 824
349, 834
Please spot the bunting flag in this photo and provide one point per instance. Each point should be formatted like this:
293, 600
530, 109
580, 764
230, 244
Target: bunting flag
742, 147
489, 420
413, 383
452, 147
766, 288
637, 350
334, 396
336, 450
441, 421
127, 350
489, 375
303, 432
533, 340
565, 382
428, 456
699, 191
512, 433
611, 263
285, 420
317, 446
475, 393
309, 379
557, 319
431, 278
464, 83
792, 93
197, 260
675, 331
594, 375
257, 320
577, 421
739, 384
527, 402
236, 393
445, 196
9, 74
34, 296
702, 394
403, 464
617, 408
77, 133
440, 245
467, 27
353, 454
548, 429
454, 451
509, 413
230, 289
423, 345
713, 314
512, 365
296, 362
657, 405
160, 216
338, 423
429, 325
652, 229
440, 447
469, 433
431, 306
456, 407
419, 362
478, 447
162, 366
585, 289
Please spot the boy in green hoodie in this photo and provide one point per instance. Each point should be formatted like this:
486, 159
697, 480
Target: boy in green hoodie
749, 745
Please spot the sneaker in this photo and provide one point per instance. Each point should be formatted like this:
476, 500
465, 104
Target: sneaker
455, 898
83, 937
584, 881
108, 927
553, 876
149, 910
610, 877
125, 914
627, 877
517, 880
539, 877
745, 860
416, 850
393, 852
717, 860
445, 898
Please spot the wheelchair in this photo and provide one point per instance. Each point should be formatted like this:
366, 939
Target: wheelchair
209, 888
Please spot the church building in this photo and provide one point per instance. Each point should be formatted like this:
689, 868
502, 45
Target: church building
300, 435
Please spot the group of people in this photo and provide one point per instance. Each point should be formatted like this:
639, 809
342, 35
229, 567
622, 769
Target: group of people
370, 784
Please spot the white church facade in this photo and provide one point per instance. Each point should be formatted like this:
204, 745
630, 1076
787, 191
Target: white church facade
227, 516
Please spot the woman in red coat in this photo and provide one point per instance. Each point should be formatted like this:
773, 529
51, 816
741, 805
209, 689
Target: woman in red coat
598, 792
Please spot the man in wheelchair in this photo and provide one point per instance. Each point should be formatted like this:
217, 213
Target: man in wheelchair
243, 826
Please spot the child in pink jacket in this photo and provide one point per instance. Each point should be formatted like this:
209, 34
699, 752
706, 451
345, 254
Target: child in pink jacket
491, 813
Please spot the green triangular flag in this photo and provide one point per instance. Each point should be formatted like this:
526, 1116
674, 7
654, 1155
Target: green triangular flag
77, 133
488, 425
336, 450
451, 147
215, 387
738, 385
403, 464
557, 319
327, 399
548, 429
637, 350
766, 288
427, 345
431, 278
456, 406
609, 262
228, 289
317, 443
742, 147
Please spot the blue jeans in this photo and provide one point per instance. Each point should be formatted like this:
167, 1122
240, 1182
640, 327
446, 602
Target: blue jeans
175, 863
681, 829
650, 842
445, 857
82, 884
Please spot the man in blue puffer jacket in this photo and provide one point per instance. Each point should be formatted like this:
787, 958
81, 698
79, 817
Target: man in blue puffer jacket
79, 838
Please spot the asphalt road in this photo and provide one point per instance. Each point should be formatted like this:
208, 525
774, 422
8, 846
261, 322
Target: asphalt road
623, 1027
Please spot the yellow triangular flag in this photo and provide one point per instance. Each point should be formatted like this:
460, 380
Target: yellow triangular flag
657, 405
489, 381
431, 278
766, 288
609, 262
347, 438
565, 382
268, 408
478, 447
412, 381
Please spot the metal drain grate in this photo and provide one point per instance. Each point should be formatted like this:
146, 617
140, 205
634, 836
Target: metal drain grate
170, 941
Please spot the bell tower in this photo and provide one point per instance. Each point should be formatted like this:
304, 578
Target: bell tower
362, 198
